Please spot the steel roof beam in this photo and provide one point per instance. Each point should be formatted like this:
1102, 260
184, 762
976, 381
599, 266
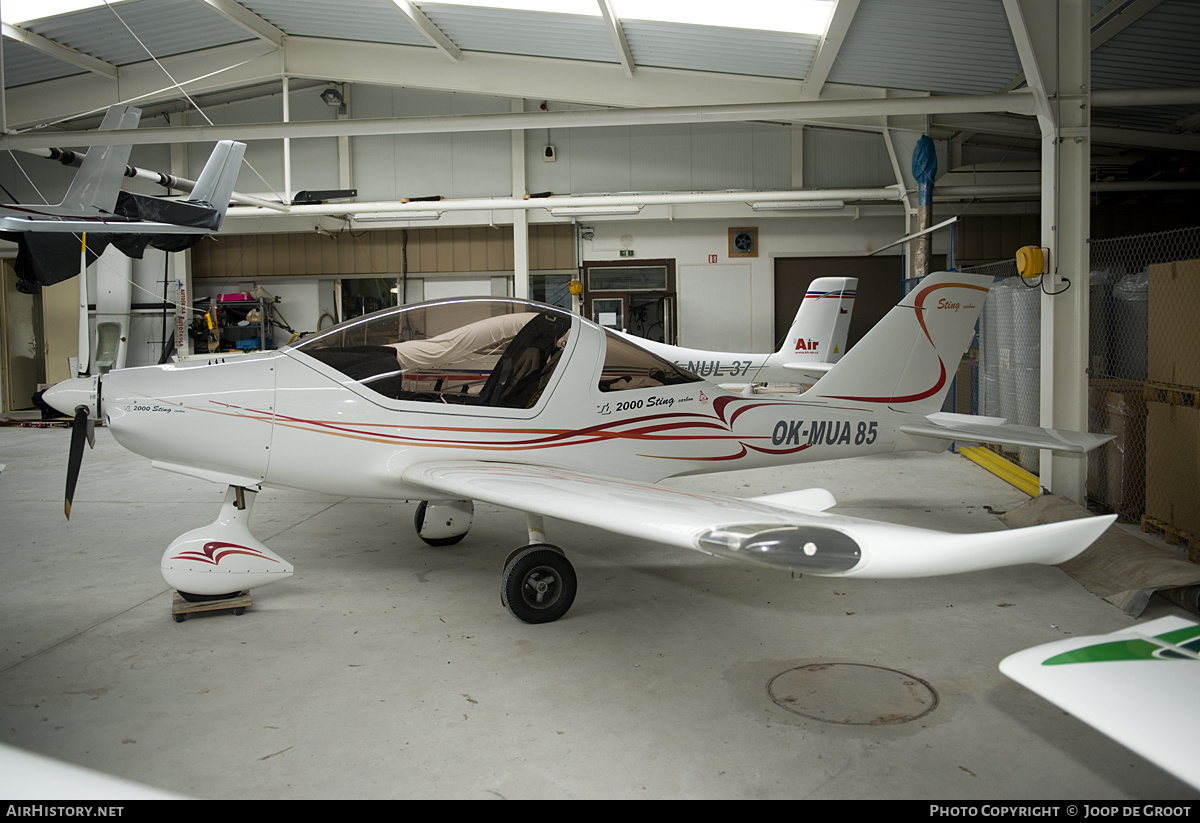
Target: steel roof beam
247, 20
436, 37
59, 51
831, 44
617, 33
1017, 102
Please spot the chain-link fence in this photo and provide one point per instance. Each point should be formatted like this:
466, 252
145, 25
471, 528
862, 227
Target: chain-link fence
1144, 373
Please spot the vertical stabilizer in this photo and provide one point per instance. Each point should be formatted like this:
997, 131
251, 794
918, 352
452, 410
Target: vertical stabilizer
215, 184
907, 361
96, 184
818, 333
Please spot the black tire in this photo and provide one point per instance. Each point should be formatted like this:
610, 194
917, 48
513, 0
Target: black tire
538, 585
419, 521
179, 618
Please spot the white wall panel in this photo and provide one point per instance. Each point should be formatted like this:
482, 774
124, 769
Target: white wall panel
839, 158
715, 307
481, 163
600, 160
772, 156
723, 157
661, 157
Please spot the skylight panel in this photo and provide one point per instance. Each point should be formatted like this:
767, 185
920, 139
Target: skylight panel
796, 16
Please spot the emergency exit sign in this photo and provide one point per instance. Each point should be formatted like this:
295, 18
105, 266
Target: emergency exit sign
627, 252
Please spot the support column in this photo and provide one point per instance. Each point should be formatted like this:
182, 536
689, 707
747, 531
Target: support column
520, 216
1054, 42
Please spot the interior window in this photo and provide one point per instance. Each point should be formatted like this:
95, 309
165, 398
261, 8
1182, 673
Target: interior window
486, 353
628, 366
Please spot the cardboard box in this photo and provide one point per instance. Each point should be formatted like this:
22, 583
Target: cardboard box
1173, 465
1117, 470
1173, 354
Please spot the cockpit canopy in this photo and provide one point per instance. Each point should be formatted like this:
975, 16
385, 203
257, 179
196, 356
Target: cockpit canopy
474, 351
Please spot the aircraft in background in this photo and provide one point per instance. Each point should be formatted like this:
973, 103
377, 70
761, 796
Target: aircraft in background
528, 406
1137, 685
815, 341
96, 204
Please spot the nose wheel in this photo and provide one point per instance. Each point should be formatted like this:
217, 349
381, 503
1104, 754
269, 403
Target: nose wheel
539, 584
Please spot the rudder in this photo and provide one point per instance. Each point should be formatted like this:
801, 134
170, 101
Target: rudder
907, 361
818, 332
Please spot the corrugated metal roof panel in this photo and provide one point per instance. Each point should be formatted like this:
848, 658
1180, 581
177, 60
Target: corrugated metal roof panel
1160, 49
25, 64
569, 36
371, 21
165, 27
888, 45
712, 48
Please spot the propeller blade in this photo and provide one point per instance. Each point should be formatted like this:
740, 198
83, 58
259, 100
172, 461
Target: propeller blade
79, 433
85, 335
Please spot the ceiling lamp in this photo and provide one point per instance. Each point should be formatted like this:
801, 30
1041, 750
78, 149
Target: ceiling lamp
594, 211
796, 205
383, 216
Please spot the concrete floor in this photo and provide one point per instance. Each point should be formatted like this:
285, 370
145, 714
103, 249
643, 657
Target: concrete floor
388, 669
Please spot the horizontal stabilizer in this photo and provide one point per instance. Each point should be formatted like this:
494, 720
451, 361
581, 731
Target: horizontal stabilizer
945, 426
95, 186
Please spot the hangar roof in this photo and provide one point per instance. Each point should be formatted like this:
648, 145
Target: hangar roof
1145, 67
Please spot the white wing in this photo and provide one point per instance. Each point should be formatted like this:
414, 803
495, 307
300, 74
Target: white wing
1137, 685
788, 531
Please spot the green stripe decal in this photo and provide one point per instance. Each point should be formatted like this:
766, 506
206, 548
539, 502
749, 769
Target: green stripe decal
1133, 649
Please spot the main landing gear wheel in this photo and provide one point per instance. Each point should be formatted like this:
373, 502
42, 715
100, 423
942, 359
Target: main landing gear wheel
539, 584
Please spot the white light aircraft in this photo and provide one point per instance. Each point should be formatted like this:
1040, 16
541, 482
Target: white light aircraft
528, 406
816, 340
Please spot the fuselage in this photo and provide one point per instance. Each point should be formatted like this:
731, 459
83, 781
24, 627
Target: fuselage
290, 419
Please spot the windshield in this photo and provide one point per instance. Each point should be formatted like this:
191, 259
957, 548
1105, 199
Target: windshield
471, 352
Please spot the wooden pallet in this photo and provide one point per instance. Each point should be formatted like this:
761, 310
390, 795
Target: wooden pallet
1171, 395
181, 608
1174, 536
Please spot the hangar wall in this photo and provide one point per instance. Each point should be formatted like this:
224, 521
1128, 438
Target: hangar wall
691, 157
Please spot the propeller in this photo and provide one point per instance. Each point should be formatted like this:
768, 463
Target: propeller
83, 428
80, 398
85, 334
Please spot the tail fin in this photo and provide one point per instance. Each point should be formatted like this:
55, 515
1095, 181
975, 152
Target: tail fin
215, 184
906, 362
97, 182
818, 334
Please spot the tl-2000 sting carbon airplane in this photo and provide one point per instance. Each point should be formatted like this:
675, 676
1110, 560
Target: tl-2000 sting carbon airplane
527, 406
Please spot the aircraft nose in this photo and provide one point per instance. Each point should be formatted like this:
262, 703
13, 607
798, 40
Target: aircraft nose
72, 393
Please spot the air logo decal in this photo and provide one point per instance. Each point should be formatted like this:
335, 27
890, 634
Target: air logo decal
807, 345
215, 551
